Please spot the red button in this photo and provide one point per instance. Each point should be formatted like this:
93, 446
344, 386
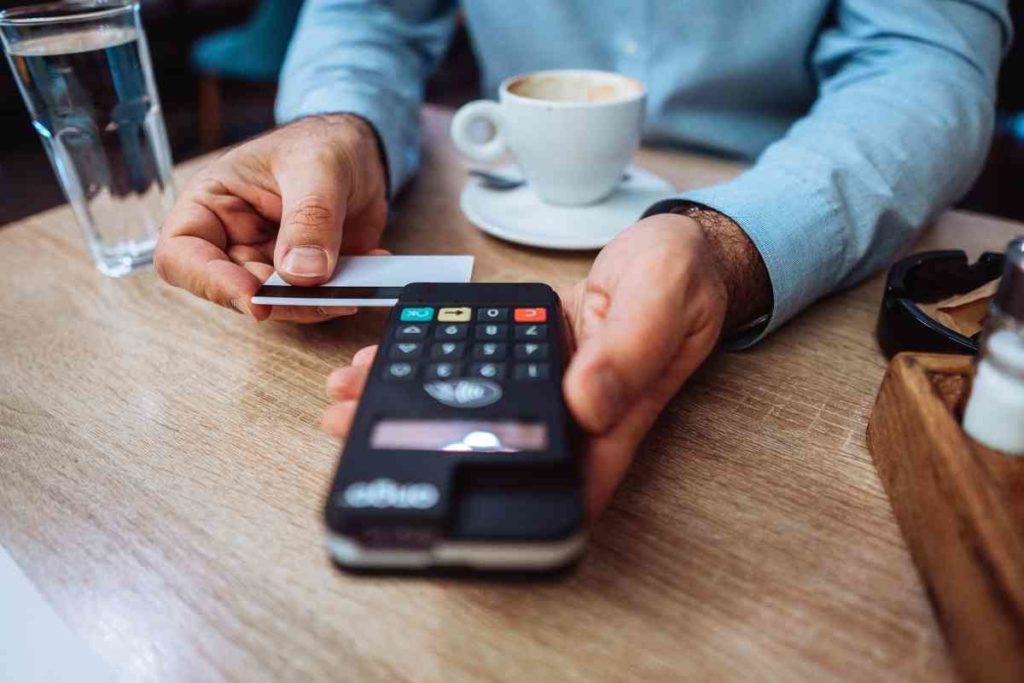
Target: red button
531, 315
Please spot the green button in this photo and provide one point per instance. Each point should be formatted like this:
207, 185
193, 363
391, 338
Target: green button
417, 315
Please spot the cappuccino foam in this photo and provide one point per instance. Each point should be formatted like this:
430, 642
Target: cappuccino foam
575, 87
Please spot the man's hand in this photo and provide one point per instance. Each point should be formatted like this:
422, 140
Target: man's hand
290, 200
647, 315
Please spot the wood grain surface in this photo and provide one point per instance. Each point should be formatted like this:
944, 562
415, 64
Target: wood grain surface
162, 474
960, 508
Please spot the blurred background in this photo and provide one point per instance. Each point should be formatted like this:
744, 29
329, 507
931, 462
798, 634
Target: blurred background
216, 64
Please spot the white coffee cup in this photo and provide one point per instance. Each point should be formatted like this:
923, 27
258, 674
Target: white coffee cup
572, 132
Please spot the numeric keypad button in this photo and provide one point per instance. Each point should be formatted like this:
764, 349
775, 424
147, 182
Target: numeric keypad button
488, 370
531, 332
451, 331
492, 314
410, 331
489, 351
496, 331
459, 314
405, 350
531, 351
442, 370
417, 314
531, 315
447, 350
532, 371
399, 371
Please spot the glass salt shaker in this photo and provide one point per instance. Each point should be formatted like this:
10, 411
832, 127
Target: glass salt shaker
995, 409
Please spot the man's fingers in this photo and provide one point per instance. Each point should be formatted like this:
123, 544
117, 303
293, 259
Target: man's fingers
262, 252
261, 270
347, 384
204, 269
281, 201
623, 343
637, 321
313, 196
293, 314
609, 456
364, 356
191, 254
362, 231
337, 420
309, 314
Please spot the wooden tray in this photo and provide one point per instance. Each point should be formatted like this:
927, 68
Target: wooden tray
960, 506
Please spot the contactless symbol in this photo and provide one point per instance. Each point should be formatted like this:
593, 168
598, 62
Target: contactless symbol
464, 393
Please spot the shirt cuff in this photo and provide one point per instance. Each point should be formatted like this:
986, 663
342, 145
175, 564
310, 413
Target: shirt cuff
795, 232
389, 115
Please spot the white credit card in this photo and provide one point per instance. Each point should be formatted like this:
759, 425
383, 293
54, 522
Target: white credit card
367, 281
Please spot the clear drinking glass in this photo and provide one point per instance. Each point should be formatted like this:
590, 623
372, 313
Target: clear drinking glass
83, 68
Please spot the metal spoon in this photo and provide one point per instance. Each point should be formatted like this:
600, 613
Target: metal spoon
496, 181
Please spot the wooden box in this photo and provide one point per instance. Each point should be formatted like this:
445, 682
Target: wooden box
960, 507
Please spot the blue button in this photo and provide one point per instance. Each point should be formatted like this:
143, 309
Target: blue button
417, 315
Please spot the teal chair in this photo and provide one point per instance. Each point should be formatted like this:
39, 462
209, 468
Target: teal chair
251, 52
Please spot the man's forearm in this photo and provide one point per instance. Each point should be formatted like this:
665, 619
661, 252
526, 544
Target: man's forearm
740, 264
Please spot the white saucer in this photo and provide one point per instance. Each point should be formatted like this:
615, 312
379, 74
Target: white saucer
520, 216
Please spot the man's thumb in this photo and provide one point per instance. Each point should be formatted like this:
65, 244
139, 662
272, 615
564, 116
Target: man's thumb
623, 346
312, 215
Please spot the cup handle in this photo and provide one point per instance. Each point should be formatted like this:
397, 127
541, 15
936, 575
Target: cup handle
481, 110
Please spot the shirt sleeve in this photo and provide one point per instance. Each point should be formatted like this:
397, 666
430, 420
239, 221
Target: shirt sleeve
371, 59
899, 131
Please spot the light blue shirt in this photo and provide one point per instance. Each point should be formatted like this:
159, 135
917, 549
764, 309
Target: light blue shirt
864, 118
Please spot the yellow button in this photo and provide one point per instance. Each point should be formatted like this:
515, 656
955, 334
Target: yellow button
454, 315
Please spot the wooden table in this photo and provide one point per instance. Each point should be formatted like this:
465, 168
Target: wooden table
162, 474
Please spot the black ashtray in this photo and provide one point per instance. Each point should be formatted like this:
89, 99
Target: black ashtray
925, 278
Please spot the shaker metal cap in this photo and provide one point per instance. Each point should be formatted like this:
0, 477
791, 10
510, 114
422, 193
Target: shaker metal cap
1010, 297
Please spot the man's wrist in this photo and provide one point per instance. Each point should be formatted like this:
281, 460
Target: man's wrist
738, 262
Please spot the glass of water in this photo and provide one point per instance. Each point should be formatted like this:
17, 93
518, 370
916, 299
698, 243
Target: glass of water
83, 68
